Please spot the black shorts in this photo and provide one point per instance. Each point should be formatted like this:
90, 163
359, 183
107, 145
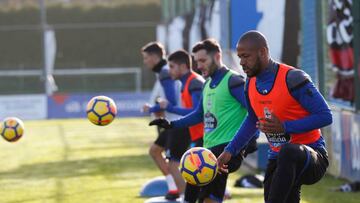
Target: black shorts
196, 143
304, 165
174, 141
192, 191
216, 189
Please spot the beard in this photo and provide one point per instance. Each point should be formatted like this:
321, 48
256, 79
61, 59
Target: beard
212, 67
253, 71
210, 70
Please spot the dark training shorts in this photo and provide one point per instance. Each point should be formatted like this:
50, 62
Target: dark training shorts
175, 142
216, 189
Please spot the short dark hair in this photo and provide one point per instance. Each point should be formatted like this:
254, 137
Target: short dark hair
181, 57
154, 48
210, 45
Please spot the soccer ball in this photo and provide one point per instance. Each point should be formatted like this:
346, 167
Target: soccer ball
12, 129
198, 166
101, 110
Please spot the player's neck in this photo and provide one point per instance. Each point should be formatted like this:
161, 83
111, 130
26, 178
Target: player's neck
157, 68
184, 77
270, 69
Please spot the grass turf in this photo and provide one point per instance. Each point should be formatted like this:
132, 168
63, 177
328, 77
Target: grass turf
73, 161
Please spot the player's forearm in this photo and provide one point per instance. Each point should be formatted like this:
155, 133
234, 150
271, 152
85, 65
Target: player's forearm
196, 97
314, 121
155, 108
191, 119
179, 110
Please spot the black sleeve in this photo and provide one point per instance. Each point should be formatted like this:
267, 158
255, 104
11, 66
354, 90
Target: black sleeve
296, 79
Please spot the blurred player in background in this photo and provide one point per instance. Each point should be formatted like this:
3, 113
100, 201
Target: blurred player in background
171, 141
222, 109
180, 63
285, 105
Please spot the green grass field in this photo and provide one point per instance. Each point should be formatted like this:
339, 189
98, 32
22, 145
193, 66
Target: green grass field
74, 161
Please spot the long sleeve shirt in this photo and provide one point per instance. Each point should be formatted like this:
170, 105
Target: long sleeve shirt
236, 87
169, 88
195, 89
302, 90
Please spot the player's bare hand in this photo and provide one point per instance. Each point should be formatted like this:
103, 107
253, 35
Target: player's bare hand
163, 103
161, 122
222, 161
271, 124
146, 108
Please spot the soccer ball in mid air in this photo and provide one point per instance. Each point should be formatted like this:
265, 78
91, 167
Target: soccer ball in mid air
198, 166
12, 129
101, 110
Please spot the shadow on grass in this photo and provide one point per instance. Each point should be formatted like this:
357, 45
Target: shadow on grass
254, 194
127, 167
107, 166
63, 197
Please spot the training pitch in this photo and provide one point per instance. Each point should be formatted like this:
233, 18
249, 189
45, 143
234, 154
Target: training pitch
74, 161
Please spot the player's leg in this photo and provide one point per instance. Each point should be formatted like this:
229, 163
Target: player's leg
192, 191
313, 170
291, 161
316, 169
270, 169
214, 191
294, 195
174, 171
178, 143
156, 152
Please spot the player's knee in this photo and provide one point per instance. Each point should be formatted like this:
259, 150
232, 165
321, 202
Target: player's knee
289, 152
154, 151
151, 152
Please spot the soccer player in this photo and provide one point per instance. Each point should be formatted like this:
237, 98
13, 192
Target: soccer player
180, 68
173, 142
222, 111
285, 105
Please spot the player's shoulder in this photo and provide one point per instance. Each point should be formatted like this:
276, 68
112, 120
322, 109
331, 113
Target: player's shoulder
164, 73
236, 80
197, 83
296, 78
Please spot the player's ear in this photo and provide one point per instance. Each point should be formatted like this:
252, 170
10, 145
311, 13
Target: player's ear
263, 52
217, 56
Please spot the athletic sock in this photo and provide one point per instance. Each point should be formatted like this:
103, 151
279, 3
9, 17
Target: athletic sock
171, 183
182, 197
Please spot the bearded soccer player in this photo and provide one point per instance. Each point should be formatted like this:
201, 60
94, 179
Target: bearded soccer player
222, 109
